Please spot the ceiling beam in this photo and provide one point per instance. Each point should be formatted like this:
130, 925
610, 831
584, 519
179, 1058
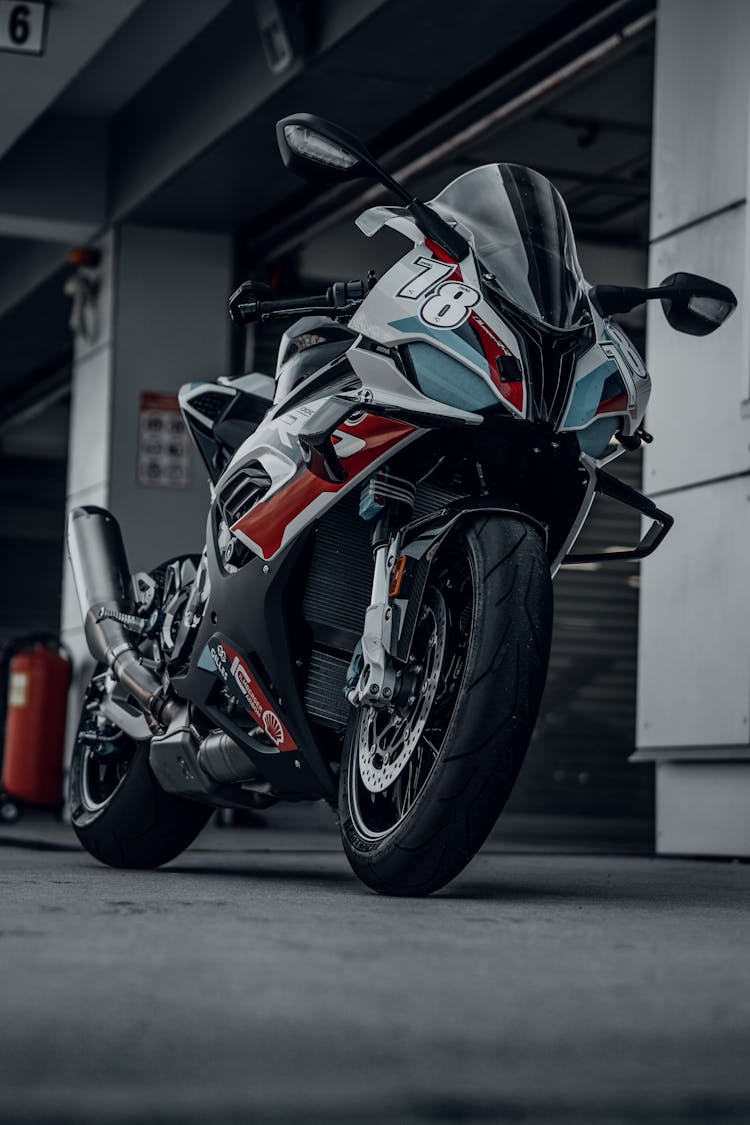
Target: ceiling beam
178, 118
53, 186
29, 84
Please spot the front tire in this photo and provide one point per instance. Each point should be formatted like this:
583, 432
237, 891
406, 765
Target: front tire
420, 791
119, 811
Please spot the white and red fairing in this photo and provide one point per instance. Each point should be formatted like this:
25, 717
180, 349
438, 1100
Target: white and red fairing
298, 495
425, 299
610, 381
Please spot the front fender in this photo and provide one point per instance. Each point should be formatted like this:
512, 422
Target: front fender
420, 541
422, 538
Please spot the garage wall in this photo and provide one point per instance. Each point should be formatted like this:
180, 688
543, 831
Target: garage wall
694, 663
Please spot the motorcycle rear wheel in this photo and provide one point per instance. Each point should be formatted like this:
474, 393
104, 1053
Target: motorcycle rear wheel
419, 792
119, 812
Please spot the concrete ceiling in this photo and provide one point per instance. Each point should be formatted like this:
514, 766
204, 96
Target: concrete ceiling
29, 84
163, 112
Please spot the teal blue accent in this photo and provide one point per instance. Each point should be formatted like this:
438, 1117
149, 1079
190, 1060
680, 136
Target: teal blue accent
588, 394
595, 438
369, 508
413, 326
205, 660
445, 379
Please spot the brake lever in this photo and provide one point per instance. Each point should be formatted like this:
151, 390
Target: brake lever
245, 301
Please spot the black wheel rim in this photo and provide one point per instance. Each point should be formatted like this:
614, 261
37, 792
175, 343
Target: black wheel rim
102, 757
101, 777
409, 739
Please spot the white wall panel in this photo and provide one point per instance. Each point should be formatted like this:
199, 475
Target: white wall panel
699, 383
83, 666
88, 457
171, 327
694, 641
702, 808
700, 109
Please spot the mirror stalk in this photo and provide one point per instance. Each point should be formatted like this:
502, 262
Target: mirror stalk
434, 227
691, 303
324, 152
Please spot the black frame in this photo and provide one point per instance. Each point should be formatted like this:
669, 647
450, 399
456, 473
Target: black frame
607, 485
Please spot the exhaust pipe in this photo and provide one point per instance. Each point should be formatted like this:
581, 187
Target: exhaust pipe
102, 580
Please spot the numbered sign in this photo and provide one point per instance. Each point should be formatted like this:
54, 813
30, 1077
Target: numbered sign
22, 27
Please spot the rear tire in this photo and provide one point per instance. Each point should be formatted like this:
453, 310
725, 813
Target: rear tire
119, 811
492, 637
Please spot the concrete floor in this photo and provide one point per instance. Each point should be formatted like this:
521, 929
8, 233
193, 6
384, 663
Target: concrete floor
255, 980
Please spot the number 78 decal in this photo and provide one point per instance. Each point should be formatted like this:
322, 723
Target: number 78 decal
451, 303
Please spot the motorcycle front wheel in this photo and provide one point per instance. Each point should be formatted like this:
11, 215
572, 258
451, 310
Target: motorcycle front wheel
422, 784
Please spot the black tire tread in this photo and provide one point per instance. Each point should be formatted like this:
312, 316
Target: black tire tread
142, 826
476, 771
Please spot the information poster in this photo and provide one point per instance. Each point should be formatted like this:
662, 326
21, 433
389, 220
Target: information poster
163, 443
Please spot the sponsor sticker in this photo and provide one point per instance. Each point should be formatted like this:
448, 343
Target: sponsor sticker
245, 686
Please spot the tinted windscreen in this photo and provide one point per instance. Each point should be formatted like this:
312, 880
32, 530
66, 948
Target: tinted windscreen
523, 237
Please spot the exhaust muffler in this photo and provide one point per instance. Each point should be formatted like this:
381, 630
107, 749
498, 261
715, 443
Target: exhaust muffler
102, 581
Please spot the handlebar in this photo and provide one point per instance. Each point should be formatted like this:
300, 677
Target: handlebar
248, 305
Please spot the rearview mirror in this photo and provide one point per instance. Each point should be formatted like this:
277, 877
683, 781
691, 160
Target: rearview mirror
695, 304
318, 149
691, 303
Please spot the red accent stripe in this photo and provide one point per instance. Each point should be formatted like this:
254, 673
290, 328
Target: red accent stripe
492, 345
438, 252
266, 523
613, 405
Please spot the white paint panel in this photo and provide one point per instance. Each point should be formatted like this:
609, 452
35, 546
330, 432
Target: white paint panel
171, 327
88, 459
83, 666
94, 494
702, 77
694, 640
698, 383
70, 613
703, 808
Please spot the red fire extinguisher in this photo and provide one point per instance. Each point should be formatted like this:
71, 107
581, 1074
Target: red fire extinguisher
38, 682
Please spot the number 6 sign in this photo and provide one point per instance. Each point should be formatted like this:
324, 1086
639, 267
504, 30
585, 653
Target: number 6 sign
22, 27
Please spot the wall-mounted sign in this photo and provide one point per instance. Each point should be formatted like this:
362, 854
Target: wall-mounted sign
163, 443
22, 27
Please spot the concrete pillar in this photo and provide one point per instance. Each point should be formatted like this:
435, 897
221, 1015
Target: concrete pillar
694, 655
162, 322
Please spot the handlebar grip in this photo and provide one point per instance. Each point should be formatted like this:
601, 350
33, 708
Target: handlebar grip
290, 304
253, 311
246, 308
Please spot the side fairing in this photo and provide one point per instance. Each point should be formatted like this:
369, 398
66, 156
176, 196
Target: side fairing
610, 391
269, 493
461, 352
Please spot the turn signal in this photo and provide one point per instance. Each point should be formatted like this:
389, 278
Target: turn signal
398, 576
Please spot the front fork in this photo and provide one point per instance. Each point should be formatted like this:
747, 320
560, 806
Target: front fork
372, 679
376, 682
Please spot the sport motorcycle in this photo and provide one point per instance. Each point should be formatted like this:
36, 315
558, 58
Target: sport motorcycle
369, 622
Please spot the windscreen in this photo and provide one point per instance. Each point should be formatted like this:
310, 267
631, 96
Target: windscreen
523, 237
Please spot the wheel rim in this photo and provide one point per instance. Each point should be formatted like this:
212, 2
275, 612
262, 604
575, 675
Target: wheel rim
101, 777
395, 750
101, 758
